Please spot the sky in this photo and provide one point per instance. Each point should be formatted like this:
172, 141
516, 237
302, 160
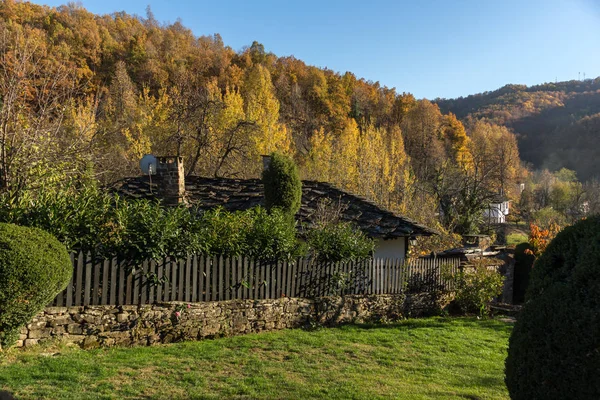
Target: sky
430, 48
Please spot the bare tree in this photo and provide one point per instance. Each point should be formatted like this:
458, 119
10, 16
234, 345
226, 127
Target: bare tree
35, 89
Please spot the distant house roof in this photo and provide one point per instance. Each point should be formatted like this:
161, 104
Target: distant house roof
242, 194
499, 199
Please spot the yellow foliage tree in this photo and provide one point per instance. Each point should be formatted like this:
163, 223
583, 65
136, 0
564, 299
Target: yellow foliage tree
262, 107
457, 142
318, 161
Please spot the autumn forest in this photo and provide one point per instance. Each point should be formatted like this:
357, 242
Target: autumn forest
85, 96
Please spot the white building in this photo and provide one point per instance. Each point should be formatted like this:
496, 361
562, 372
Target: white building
497, 210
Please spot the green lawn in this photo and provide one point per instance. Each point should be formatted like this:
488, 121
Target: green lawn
514, 239
431, 358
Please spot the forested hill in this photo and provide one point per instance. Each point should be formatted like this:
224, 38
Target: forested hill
83, 97
557, 124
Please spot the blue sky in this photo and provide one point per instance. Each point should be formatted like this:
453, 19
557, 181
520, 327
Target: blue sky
431, 48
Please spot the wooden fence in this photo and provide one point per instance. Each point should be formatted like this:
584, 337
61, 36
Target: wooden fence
200, 278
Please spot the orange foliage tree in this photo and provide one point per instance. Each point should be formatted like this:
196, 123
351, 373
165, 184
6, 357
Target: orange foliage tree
539, 238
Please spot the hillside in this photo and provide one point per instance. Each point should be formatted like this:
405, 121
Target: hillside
557, 124
85, 96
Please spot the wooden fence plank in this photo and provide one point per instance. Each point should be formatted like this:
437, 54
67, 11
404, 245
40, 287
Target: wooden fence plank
260, 272
391, 276
275, 280
239, 276
113, 281
213, 289
144, 283
136, 277
201, 278
187, 280
97, 269
397, 266
174, 271
159, 278
247, 277
232, 292
87, 277
166, 290
227, 281
77, 300
129, 289
391, 272
105, 282
181, 280
152, 283
290, 278
280, 279
378, 273
277, 270
252, 291
265, 278
194, 297
220, 270
384, 275
373, 276
121, 286
294, 274
300, 292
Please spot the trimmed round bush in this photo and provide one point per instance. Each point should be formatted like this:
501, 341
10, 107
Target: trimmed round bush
34, 268
561, 256
554, 350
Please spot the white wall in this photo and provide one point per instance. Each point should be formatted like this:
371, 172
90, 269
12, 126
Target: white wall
392, 248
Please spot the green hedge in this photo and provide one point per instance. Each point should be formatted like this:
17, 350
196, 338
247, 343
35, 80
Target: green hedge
554, 350
339, 241
34, 268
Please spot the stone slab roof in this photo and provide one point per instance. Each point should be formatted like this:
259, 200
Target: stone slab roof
242, 194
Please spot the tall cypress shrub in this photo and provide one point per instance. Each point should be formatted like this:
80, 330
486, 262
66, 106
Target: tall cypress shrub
283, 187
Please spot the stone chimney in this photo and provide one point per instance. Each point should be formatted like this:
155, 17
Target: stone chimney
170, 180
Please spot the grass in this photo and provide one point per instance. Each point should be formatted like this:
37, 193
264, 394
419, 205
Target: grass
432, 358
514, 239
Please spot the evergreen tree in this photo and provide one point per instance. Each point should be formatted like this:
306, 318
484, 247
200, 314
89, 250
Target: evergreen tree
283, 188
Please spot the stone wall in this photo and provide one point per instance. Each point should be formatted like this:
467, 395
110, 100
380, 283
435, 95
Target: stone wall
95, 326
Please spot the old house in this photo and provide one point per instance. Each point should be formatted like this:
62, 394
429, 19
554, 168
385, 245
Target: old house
497, 210
392, 232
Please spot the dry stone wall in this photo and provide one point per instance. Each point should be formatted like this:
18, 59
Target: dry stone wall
96, 326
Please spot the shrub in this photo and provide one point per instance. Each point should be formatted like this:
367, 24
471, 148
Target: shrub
271, 236
75, 216
554, 350
339, 241
523, 264
283, 187
476, 287
34, 268
556, 263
